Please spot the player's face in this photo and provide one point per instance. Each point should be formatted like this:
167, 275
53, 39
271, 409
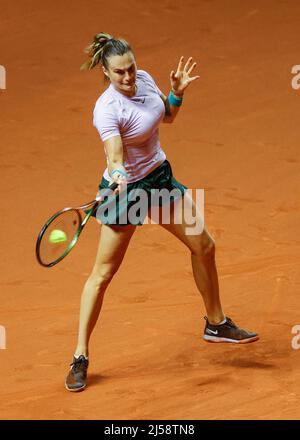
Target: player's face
122, 73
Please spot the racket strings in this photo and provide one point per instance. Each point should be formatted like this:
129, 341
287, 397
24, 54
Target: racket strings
58, 236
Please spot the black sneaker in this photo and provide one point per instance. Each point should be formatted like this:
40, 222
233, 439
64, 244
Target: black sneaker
228, 332
76, 379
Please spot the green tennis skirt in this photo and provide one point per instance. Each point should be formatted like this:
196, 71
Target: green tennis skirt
131, 206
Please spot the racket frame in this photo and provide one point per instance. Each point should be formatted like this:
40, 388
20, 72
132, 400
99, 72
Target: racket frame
82, 222
93, 207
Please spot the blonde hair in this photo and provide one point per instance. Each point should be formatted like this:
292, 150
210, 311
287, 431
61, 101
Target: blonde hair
104, 46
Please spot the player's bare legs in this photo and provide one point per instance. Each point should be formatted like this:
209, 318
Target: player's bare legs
218, 327
202, 249
111, 250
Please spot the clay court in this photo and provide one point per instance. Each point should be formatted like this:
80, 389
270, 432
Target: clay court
237, 136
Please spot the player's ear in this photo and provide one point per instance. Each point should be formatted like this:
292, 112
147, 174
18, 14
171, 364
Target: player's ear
105, 72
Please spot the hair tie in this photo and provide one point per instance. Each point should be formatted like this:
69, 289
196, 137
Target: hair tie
109, 40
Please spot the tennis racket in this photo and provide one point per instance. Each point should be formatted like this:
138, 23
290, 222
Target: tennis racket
61, 232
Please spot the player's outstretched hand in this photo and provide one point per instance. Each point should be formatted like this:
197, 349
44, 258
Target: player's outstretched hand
181, 79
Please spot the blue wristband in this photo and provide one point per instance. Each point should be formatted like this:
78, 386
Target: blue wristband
119, 171
174, 100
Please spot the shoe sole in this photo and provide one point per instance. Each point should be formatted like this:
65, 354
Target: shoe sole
75, 390
234, 341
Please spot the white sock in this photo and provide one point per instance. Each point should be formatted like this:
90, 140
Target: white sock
222, 322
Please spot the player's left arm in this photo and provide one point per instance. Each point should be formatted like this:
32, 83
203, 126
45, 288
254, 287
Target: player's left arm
170, 110
179, 82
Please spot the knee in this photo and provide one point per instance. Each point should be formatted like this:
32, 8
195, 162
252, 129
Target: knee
205, 248
102, 276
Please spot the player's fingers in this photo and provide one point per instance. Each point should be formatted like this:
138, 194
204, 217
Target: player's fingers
122, 180
191, 68
122, 183
187, 64
172, 75
180, 64
118, 178
194, 78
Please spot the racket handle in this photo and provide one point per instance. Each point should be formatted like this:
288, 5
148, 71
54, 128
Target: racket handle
113, 186
107, 191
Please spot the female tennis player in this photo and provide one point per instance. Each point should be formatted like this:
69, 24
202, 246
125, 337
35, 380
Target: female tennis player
127, 116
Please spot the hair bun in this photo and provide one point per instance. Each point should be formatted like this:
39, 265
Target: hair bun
98, 52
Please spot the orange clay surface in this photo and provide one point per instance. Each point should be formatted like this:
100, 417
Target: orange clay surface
236, 136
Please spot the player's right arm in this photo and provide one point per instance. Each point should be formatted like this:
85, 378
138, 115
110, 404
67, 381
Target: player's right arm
114, 151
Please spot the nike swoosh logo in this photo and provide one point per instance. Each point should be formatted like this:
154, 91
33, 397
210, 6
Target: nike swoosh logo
142, 100
212, 331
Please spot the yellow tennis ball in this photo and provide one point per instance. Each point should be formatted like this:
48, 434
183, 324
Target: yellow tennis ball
57, 236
